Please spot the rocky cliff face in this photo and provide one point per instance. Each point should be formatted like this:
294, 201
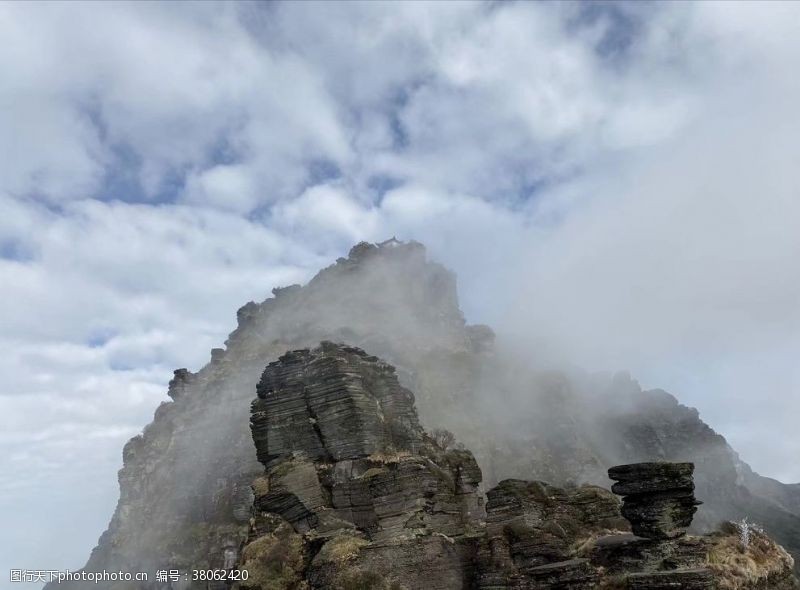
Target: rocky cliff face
185, 489
365, 498
370, 498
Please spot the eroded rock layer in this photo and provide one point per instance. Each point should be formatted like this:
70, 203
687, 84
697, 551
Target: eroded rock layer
356, 494
349, 468
532, 529
185, 496
659, 498
334, 403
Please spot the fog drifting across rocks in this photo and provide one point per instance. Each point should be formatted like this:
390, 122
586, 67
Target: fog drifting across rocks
615, 188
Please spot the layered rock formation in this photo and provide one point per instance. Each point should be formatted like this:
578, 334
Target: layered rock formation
532, 529
357, 495
659, 498
334, 403
659, 503
348, 466
185, 495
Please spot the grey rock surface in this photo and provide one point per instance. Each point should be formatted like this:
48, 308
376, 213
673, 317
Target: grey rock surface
185, 495
688, 579
349, 467
659, 498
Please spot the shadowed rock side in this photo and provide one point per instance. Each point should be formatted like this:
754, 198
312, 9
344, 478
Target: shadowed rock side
357, 495
185, 484
659, 497
371, 500
659, 503
533, 529
374, 502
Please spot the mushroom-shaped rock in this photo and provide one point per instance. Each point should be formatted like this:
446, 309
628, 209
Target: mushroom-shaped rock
658, 498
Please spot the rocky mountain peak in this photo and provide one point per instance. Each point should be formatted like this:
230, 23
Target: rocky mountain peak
335, 441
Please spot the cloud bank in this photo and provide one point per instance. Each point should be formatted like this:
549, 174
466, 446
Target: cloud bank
616, 186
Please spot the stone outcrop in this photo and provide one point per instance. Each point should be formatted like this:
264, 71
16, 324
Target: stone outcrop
349, 468
659, 498
659, 503
372, 499
333, 404
185, 486
531, 532
181, 383
357, 495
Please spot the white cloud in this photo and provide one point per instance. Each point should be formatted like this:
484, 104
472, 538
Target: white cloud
327, 212
169, 87
229, 186
618, 184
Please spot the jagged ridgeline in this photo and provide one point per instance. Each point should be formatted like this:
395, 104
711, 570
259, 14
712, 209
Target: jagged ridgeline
187, 491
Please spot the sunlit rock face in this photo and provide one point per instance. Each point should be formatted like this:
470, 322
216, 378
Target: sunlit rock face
185, 486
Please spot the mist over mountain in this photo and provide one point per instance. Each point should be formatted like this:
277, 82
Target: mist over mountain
615, 184
186, 494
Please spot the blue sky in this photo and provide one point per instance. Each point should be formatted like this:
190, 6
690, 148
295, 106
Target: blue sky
616, 186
